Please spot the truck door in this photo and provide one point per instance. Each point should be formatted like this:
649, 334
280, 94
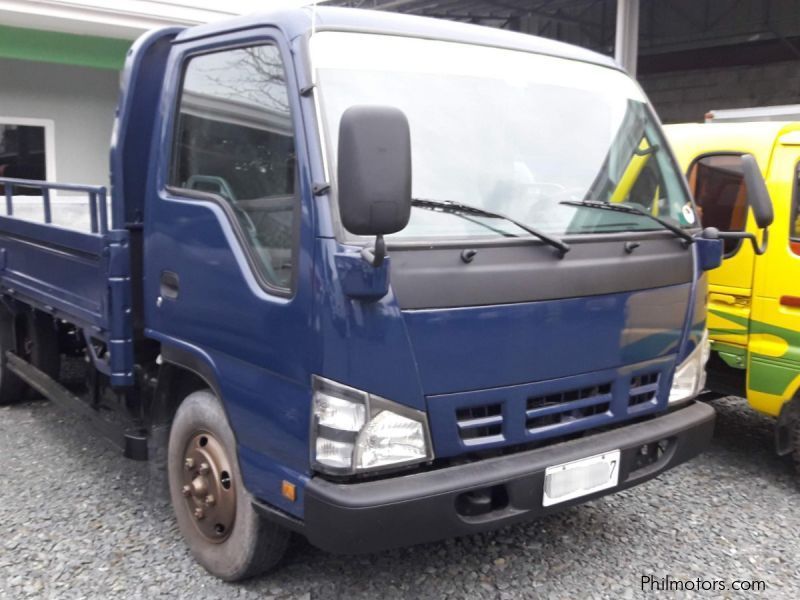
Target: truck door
718, 185
227, 286
774, 357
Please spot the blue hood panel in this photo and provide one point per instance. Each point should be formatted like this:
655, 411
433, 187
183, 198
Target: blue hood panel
474, 348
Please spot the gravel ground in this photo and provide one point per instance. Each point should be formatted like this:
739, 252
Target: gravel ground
76, 523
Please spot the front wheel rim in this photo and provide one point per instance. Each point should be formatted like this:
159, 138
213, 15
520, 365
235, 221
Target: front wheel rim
208, 487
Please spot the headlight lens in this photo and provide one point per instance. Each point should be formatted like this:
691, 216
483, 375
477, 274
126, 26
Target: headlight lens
390, 439
338, 413
354, 431
690, 376
337, 455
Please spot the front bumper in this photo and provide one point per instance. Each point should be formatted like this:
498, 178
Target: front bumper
429, 506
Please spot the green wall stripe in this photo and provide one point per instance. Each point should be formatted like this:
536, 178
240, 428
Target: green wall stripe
63, 48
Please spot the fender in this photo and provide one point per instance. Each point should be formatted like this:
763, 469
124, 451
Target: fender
192, 359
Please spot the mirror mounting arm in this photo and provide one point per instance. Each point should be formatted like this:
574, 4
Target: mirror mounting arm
375, 255
759, 250
712, 233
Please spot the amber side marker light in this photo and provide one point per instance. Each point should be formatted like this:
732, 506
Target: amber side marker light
288, 490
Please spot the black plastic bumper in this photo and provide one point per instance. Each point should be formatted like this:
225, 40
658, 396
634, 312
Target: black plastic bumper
424, 507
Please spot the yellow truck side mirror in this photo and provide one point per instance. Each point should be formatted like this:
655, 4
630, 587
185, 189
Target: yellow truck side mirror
759, 201
757, 194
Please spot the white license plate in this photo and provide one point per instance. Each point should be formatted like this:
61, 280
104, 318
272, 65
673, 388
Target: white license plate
581, 477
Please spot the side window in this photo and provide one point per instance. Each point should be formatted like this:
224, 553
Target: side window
22, 154
234, 139
717, 182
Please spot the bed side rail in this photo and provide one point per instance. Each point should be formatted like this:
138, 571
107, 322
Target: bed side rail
98, 210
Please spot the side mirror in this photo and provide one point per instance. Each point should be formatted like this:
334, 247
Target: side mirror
757, 194
374, 174
758, 199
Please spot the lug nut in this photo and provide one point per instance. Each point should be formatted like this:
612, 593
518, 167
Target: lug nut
210, 500
189, 464
186, 490
203, 469
199, 514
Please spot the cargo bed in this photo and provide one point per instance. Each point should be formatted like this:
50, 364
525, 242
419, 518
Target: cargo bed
80, 277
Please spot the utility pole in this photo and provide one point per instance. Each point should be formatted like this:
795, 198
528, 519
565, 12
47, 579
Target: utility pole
627, 35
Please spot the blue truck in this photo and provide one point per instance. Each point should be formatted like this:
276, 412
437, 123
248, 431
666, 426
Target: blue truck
374, 279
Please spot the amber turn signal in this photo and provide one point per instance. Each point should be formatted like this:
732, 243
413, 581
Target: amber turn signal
288, 490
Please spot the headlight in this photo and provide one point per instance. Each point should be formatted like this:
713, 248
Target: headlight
355, 432
690, 376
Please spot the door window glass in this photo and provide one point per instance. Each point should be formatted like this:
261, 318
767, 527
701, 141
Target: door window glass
234, 140
717, 182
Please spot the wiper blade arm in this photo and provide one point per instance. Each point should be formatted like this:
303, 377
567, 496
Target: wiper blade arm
632, 210
450, 206
468, 214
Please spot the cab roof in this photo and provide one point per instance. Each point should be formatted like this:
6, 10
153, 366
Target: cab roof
298, 21
690, 140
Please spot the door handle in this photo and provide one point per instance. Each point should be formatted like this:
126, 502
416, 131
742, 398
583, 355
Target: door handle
722, 298
170, 285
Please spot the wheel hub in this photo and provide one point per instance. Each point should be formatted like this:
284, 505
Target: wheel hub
208, 487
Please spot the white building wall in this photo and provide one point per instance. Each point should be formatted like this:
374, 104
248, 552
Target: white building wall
126, 19
79, 100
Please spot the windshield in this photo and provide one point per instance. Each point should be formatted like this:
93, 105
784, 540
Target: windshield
507, 131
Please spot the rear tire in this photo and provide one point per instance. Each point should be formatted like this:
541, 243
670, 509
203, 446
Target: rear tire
37, 342
795, 429
12, 388
41, 343
230, 545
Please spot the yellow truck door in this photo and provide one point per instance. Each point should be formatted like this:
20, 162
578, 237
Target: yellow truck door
716, 180
774, 347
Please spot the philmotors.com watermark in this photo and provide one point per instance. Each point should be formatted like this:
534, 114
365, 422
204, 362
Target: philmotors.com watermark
651, 583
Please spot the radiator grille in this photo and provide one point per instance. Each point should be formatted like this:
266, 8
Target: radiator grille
532, 412
480, 424
643, 389
567, 406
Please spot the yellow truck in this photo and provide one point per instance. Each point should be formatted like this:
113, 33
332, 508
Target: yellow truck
754, 299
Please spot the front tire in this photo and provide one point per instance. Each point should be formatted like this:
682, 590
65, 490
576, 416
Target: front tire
213, 509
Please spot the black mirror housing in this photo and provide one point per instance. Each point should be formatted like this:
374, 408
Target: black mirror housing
374, 170
757, 194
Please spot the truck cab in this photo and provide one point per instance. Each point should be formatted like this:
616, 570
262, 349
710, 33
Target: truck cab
375, 279
754, 299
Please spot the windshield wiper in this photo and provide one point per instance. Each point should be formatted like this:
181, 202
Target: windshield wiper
451, 206
632, 210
